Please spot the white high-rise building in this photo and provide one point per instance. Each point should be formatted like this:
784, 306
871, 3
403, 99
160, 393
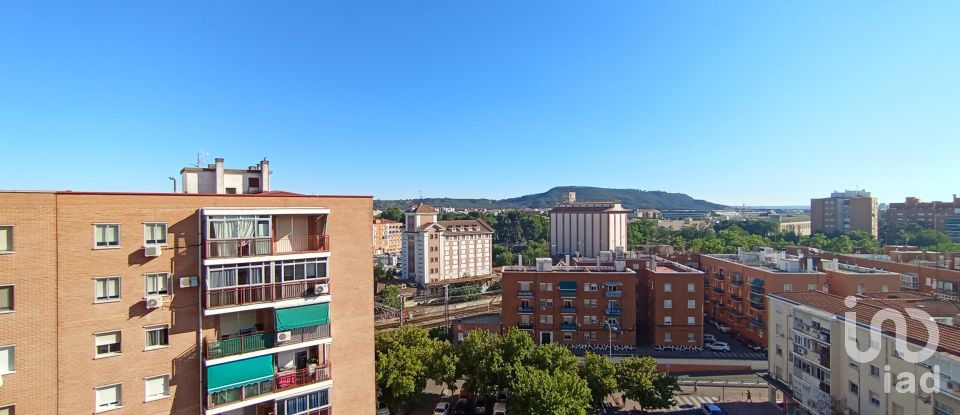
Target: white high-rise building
587, 228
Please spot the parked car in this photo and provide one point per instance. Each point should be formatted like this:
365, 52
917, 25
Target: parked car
711, 409
718, 347
500, 409
709, 338
722, 327
383, 411
461, 407
465, 394
442, 408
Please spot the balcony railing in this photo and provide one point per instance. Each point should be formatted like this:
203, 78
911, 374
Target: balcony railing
757, 323
614, 294
568, 326
252, 342
719, 277
523, 309
718, 290
735, 313
568, 310
614, 311
280, 381
756, 290
525, 326
736, 282
568, 293
247, 247
525, 293
265, 293
756, 306
735, 297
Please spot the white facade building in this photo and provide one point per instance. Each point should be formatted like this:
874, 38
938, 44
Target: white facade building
436, 251
586, 228
214, 179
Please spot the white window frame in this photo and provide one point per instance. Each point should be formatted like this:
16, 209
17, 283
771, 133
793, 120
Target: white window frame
165, 395
667, 320
667, 303
147, 276
98, 355
119, 404
11, 241
146, 242
95, 228
11, 409
691, 304
667, 287
691, 337
668, 337
691, 321
13, 298
146, 336
97, 300
12, 353
787, 288
691, 288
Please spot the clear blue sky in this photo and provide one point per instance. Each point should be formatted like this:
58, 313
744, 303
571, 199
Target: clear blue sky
735, 102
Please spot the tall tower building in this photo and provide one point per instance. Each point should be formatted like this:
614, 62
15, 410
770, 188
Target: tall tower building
852, 210
586, 228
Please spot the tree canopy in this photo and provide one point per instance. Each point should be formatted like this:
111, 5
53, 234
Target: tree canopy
640, 381
405, 359
600, 375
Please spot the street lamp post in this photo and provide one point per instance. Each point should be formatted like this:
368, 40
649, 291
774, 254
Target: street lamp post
609, 338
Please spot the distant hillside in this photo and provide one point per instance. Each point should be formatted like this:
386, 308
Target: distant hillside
631, 198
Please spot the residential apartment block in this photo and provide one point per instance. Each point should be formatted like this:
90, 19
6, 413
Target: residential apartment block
930, 214
215, 179
852, 210
739, 282
139, 303
572, 304
798, 225
444, 251
584, 229
672, 295
387, 236
810, 365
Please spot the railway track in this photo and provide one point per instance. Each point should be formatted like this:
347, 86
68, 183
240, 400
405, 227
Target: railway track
435, 319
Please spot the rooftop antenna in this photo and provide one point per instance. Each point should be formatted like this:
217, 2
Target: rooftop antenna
200, 161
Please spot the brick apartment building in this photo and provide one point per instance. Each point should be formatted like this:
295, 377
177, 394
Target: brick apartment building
931, 214
387, 236
852, 210
136, 303
672, 296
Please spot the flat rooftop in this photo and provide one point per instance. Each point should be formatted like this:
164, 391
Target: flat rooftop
492, 318
763, 262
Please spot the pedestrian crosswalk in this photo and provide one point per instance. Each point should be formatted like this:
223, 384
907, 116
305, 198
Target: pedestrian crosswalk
685, 402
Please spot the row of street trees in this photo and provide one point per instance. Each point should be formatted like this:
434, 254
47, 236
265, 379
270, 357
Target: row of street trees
541, 379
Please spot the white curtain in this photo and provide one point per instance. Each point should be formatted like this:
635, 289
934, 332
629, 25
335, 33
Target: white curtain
108, 396
156, 387
222, 278
6, 299
108, 288
6, 238
247, 226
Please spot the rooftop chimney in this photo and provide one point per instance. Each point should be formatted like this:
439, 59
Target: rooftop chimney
221, 186
265, 175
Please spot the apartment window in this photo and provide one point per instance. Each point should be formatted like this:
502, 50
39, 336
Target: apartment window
812, 287
8, 410
874, 399
157, 337
667, 303
590, 286
885, 288
154, 233
546, 286
691, 288
231, 190
157, 387
691, 337
253, 182
691, 304
545, 304
108, 344
668, 288
668, 337
854, 388
106, 235
524, 285
546, 319
109, 397
6, 238
157, 284
874, 371
667, 320
691, 321
568, 336
107, 289
7, 364
787, 287
6, 298
779, 350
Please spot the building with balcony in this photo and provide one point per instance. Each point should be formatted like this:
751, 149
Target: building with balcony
845, 279
930, 214
671, 295
584, 229
738, 283
852, 210
810, 366
440, 252
186, 303
387, 236
572, 304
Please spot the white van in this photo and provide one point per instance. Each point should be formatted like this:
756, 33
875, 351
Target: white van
500, 409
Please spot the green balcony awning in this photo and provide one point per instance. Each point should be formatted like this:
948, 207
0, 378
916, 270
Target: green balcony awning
757, 282
568, 285
303, 316
236, 374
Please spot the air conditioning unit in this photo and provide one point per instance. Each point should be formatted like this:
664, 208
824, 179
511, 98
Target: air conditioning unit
321, 289
954, 386
154, 301
152, 251
186, 282
284, 336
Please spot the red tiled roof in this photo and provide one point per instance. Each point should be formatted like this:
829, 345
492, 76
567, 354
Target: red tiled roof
278, 193
916, 331
422, 208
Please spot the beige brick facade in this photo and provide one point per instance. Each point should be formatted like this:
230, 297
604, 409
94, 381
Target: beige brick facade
54, 266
